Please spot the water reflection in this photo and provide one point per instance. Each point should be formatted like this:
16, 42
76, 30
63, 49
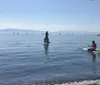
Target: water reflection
94, 69
94, 64
46, 47
47, 58
46, 52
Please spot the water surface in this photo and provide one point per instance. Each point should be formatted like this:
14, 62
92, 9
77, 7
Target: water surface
25, 59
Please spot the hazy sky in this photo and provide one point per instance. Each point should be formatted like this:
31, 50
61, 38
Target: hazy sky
51, 15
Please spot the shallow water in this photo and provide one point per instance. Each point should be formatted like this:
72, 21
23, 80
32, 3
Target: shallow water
25, 59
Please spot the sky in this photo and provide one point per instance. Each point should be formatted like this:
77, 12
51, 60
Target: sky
51, 15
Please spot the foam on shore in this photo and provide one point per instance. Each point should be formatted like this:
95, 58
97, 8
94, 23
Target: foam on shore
85, 82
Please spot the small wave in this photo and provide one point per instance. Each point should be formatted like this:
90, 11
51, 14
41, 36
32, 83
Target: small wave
85, 82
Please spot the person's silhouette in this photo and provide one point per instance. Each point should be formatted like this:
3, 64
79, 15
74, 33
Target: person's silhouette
46, 39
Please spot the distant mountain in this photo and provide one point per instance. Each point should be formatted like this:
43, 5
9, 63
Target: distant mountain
19, 31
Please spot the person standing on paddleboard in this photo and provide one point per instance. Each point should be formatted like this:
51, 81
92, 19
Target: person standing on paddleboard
94, 46
46, 39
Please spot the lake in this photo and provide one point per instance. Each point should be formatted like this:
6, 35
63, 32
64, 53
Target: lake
24, 59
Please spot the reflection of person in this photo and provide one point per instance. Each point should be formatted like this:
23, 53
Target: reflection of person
46, 48
94, 46
93, 57
46, 39
94, 64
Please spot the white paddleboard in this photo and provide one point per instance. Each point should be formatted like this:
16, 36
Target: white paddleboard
86, 49
97, 51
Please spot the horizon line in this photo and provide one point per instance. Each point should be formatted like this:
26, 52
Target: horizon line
48, 30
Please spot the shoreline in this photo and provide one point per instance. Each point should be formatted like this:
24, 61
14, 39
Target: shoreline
77, 82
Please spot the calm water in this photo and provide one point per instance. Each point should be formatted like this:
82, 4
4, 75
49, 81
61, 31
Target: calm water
25, 59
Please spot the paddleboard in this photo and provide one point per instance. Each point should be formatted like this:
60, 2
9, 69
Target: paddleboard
97, 51
85, 49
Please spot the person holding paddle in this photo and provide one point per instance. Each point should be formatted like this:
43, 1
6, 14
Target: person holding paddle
93, 46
